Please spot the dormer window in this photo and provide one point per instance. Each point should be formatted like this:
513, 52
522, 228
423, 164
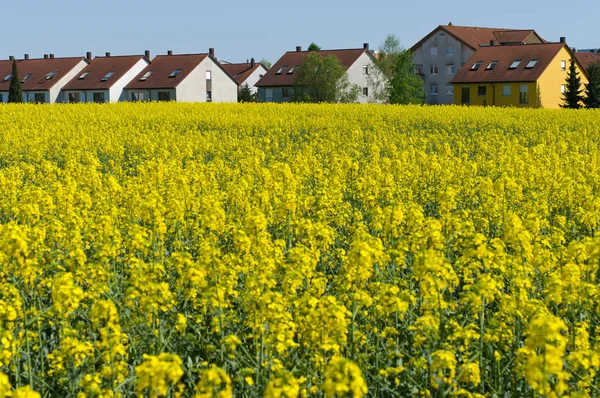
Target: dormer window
107, 76
175, 73
84, 75
146, 76
50, 75
492, 65
515, 64
476, 65
531, 63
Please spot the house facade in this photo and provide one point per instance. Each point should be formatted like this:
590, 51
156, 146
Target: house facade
278, 83
440, 54
183, 78
104, 79
526, 76
246, 73
43, 79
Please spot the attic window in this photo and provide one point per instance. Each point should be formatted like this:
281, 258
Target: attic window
84, 75
515, 64
146, 76
281, 70
293, 70
26, 77
8, 77
492, 65
50, 75
108, 76
531, 64
175, 73
476, 65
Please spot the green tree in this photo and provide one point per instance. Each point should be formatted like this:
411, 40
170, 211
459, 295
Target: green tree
314, 47
389, 52
265, 63
406, 87
592, 89
572, 97
15, 91
245, 94
323, 79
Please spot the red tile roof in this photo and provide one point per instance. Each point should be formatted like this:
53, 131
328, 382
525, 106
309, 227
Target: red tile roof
296, 58
505, 56
162, 66
39, 70
241, 72
471, 36
99, 68
523, 36
587, 58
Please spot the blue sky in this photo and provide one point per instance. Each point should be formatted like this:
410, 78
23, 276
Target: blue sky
267, 28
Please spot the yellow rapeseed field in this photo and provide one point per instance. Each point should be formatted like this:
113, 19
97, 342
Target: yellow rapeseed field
298, 251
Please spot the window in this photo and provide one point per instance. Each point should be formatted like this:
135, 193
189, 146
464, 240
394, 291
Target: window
285, 93
433, 89
208, 75
164, 96
261, 75
208, 96
99, 97
481, 91
433, 69
146, 76
39, 98
433, 51
506, 90
366, 91
50, 75
563, 65
107, 76
531, 64
492, 65
450, 69
74, 97
420, 70
450, 51
27, 76
465, 96
1, 98
175, 73
442, 34
137, 96
449, 89
365, 69
83, 75
563, 88
476, 65
269, 95
515, 64
524, 94
281, 70
292, 70
7, 77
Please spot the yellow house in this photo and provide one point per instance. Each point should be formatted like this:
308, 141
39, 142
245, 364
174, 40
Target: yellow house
527, 75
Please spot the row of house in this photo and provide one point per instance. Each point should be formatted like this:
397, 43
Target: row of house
502, 67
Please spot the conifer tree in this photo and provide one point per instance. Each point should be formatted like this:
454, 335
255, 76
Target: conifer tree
572, 98
592, 89
15, 92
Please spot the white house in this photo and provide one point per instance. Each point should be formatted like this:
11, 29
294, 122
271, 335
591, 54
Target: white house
278, 83
105, 78
42, 79
246, 73
183, 78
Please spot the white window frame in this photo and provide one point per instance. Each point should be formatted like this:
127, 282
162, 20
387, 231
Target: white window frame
450, 89
450, 51
563, 65
433, 70
450, 69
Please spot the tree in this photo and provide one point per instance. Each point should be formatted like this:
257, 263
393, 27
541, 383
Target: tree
572, 97
592, 89
389, 51
265, 63
245, 94
406, 87
15, 91
323, 79
314, 47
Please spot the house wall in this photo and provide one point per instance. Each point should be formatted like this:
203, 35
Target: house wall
117, 92
356, 75
494, 94
254, 78
55, 94
553, 77
193, 87
150, 95
86, 95
422, 56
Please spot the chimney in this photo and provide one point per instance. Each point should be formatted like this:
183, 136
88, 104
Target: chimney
252, 63
491, 43
170, 52
26, 56
366, 46
51, 56
147, 54
450, 23
563, 39
298, 48
11, 58
45, 56
107, 54
88, 55
211, 51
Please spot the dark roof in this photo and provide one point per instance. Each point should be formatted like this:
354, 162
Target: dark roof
39, 69
522, 36
162, 67
5, 70
587, 58
241, 72
99, 68
296, 58
505, 56
471, 36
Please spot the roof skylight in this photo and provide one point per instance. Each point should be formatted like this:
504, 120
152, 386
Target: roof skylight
281, 70
515, 64
7, 77
175, 73
107, 76
476, 65
84, 75
50, 75
531, 63
492, 65
146, 76
26, 77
